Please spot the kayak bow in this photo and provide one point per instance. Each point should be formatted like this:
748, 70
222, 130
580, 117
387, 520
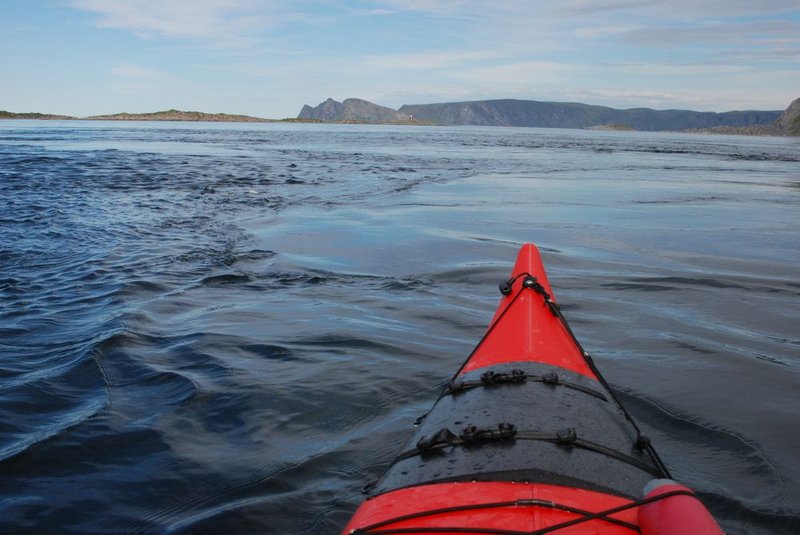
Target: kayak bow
527, 437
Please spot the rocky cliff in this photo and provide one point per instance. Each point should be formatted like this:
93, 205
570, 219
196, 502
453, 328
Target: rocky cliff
789, 121
352, 109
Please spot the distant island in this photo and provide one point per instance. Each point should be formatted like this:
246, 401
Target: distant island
505, 112
39, 116
177, 115
166, 115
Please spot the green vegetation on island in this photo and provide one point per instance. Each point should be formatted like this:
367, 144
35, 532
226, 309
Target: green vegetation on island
40, 116
178, 115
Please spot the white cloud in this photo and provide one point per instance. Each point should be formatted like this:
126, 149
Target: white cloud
685, 10
429, 6
622, 53
603, 31
714, 32
426, 60
140, 73
231, 23
681, 69
516, 75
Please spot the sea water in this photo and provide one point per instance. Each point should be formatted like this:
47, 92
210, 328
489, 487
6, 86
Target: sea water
215, 328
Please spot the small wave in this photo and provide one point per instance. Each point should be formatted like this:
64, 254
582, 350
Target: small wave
764, 157
743, 519
687, 200
640, 286
62, 422
406, 285
49, 402
342, 342
226, 279
710, 449
138, 287
661, 284
272, 352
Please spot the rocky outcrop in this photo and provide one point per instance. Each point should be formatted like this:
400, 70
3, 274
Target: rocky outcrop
789, 121
178, 115
352, 110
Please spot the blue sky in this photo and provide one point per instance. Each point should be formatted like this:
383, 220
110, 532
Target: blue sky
269, 57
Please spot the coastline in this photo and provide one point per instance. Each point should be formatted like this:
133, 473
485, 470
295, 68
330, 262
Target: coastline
767, 130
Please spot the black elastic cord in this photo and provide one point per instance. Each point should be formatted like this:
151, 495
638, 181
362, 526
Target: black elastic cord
373, 529
490, 329
506, 432
642, 439
595, 447
531, 282
516, 376
494, 505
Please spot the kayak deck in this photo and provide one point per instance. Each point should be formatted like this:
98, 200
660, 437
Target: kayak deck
526, 437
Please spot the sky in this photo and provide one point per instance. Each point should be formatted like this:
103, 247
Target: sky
268, 58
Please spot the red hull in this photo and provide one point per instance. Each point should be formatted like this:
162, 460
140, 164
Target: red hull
523, 327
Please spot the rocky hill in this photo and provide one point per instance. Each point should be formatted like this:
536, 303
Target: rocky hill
533, 113
177, 115
352, 109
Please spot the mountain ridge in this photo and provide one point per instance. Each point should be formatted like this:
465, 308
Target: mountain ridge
532, 113
544, 114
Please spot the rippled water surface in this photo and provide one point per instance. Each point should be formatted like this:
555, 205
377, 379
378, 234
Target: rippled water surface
231, 328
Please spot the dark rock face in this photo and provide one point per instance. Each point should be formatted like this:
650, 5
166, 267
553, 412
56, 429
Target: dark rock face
789, 121
787, 124
573, 115
352, 109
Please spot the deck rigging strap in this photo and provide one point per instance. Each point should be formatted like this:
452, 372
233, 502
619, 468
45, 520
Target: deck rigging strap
516, 376
588, 516
642, 439
507, 432
531, 282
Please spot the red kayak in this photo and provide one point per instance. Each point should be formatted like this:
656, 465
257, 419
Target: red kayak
527, 438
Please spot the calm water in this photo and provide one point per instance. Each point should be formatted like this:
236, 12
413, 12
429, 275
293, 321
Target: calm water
231, 328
